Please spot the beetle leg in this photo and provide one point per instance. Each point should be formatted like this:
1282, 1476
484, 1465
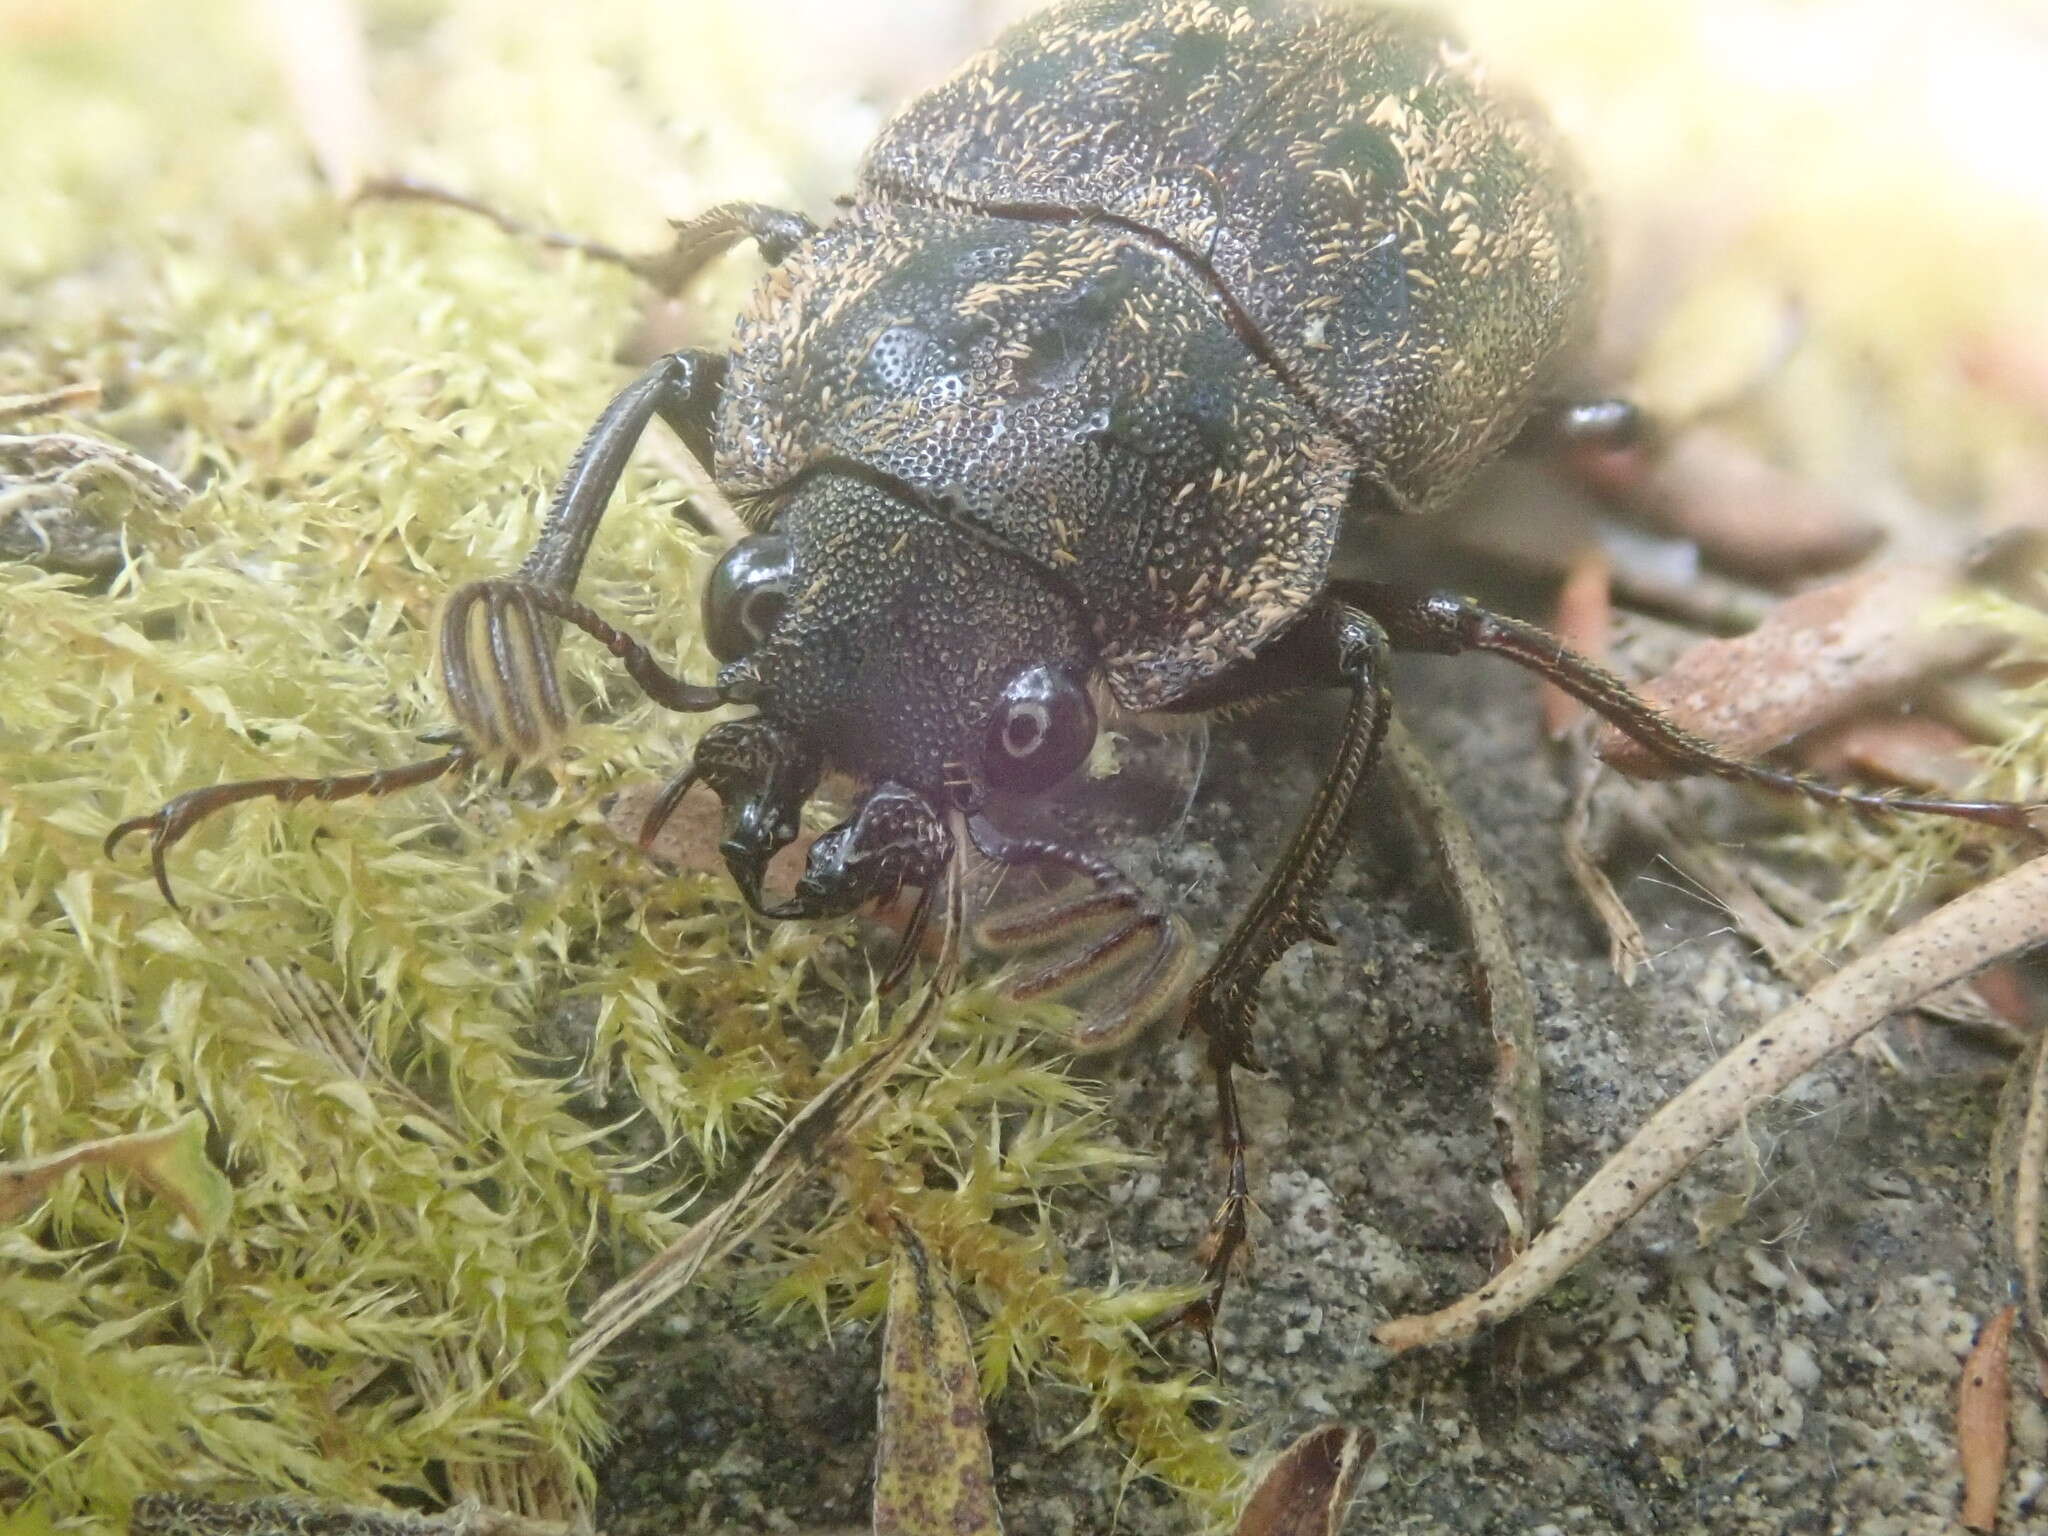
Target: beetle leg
698, 242
1335, 643
1582, 426
683, 389
170, 821
407, 189
1448, 625
519, 705
702, 240
514, 703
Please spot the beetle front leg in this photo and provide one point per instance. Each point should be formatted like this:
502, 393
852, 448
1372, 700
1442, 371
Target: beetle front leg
513, 702
169, 822
1335, 644
497, 636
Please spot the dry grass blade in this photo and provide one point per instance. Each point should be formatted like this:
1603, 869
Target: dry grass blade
2019, 1163
1755, 899
171, 1161
311, 1012
66, 397
797, 1153
1997, 919
1502, 990
934, 1475
1308, 1490
1984, 1421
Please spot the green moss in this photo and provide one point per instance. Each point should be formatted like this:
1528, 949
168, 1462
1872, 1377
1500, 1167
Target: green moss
371, 407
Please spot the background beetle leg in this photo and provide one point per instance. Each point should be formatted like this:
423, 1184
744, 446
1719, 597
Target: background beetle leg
1448, 625
407, 189
1335, 643
702, 240
683, 389
1573, 426
698, 241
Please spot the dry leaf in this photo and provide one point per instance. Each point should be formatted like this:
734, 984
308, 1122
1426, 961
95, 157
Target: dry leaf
1983, 1421
1308, 1490
1914, 752
1745, 513
1585, 613
933, 1472
1818, 658
171, 1161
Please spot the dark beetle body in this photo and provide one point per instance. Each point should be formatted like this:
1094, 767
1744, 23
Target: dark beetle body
1122, 320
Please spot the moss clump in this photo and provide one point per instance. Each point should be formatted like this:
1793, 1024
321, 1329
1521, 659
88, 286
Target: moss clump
387, 1010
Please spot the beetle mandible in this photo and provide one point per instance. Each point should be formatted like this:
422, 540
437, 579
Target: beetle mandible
1064, 414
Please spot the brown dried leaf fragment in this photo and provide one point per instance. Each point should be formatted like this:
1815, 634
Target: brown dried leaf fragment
934, 1475
1997, 919
1984, 1421
1308, 1490
171, 1161
1915, 752
1819, 657
689, 837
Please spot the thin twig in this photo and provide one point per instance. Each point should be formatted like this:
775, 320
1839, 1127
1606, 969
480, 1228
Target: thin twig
1997, 919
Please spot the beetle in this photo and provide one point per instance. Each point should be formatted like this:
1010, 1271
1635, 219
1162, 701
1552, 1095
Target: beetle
1063, 415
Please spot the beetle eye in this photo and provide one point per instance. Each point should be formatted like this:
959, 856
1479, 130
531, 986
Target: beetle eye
1041, 731
748, 590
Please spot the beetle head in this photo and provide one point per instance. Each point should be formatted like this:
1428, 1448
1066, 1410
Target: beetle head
879, 634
